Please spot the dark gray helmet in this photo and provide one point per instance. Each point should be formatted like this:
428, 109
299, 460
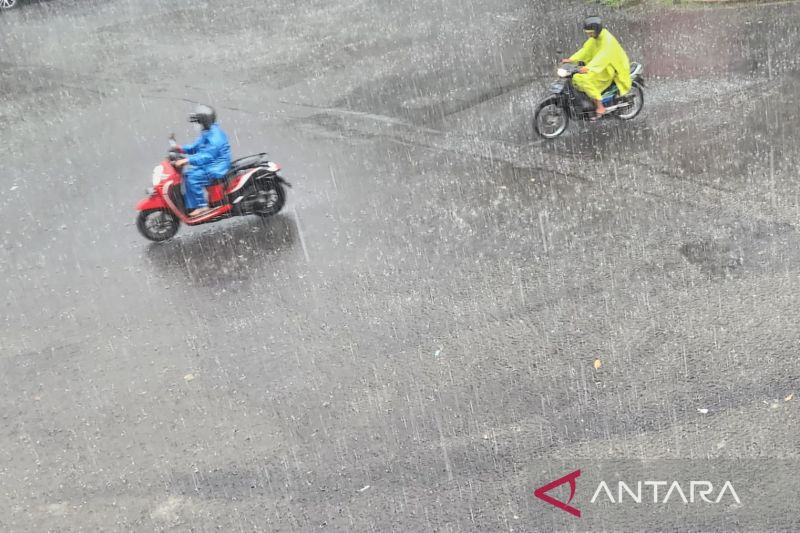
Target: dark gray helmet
594, 24
203, 115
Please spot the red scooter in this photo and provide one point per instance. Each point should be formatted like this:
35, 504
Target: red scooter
251, 187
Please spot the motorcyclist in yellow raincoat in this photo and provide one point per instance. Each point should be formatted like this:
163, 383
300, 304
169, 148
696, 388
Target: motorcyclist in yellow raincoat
605, 62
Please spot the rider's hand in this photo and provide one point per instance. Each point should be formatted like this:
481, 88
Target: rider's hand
566, 60
181, 162
583, 70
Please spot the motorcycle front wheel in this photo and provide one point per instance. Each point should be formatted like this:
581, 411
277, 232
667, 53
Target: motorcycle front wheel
551, 119
157, 225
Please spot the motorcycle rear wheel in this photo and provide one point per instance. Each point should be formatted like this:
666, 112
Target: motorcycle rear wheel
636, 100
157, 225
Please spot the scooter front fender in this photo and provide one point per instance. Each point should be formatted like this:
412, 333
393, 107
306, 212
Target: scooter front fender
153, 202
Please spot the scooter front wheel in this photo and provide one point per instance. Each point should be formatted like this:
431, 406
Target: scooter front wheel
551, 119
157, 225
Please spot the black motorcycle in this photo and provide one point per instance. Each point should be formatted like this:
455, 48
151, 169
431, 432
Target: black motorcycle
566, 102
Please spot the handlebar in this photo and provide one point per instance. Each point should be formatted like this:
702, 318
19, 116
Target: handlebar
569, 69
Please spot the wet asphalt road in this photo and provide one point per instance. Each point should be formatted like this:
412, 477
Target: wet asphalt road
411, 344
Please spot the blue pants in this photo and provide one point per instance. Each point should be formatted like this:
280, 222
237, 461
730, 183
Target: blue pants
196, 180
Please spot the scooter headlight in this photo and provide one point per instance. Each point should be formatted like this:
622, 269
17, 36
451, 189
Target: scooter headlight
158, 175
562, 73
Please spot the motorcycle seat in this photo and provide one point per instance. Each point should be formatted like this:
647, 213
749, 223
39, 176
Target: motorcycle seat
250, 161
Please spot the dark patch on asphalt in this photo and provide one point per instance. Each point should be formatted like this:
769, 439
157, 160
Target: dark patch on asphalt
744, 248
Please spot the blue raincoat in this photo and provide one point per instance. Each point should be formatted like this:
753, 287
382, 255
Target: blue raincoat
211, 152
209, 159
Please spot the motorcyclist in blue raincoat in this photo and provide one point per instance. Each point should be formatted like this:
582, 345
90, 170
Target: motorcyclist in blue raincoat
209, 159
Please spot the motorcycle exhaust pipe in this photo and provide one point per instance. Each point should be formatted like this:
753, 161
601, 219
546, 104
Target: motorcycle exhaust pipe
618, 106
251, 206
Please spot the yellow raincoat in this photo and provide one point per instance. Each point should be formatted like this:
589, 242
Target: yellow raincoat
607, 62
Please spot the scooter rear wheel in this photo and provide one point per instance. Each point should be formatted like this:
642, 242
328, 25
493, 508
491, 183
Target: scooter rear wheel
275, 198
157, 225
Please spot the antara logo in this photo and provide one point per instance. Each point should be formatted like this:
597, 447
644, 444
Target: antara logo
542, 491
637, 493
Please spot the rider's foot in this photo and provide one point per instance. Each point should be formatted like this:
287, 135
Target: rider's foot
199, 211
599, 112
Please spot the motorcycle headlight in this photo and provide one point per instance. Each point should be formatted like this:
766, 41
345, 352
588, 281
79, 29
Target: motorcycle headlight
158, 175
562, 73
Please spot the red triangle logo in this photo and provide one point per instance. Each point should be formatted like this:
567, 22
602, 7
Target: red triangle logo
542, 491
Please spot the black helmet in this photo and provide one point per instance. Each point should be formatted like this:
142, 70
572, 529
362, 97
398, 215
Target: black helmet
203, 115
594, 24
